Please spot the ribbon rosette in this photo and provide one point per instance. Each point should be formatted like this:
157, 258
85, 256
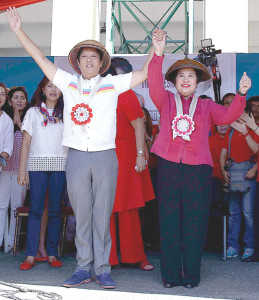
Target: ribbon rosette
81, 114
183, 126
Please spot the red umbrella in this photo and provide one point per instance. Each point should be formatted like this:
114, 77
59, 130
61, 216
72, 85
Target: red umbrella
4, 4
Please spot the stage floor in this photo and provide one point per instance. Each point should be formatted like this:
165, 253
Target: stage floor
219, 280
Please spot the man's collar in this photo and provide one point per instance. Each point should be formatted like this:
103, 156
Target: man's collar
91, 80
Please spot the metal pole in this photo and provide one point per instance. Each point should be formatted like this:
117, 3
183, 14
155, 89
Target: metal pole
108, 40
204, 19
186, 28
191, 25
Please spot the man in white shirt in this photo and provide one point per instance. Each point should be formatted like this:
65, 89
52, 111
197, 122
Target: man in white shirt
89, 132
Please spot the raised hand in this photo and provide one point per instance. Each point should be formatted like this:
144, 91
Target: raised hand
244, 84
14, 18
159, 38
249, 121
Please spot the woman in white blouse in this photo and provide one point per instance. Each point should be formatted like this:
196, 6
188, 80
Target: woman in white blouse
44, 157
11, 193
6, 148
6, 129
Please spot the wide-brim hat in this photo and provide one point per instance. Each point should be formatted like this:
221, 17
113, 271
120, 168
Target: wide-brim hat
187, 63
72, 56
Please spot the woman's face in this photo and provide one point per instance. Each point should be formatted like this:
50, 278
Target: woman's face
186, 81
18, 101
51, 92
2, 96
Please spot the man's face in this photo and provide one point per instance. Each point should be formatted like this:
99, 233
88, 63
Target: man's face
222, 129
255, 109
89, 63
228, 100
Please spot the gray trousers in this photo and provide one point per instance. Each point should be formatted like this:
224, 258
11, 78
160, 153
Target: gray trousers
91, 184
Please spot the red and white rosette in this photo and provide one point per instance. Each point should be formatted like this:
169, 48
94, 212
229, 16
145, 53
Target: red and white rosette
183, 126
81, 114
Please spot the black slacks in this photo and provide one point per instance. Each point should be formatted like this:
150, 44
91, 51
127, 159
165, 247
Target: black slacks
184, 193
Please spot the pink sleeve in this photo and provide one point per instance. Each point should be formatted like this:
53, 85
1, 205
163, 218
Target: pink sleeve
157, 91
221, 115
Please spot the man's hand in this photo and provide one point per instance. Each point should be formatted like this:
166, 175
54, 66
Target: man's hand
251, 173
14, 19
226, 176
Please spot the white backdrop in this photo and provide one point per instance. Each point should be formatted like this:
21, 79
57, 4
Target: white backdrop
227, 68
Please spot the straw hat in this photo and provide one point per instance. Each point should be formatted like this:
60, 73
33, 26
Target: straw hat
72, 56
187, 63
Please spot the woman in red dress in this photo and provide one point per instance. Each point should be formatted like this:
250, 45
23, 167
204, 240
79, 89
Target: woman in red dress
134, 186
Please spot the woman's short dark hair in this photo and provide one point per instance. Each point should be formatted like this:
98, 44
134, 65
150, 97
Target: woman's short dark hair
39, 97
122, 63
81, 50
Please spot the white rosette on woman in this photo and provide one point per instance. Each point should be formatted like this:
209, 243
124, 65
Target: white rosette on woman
183, 125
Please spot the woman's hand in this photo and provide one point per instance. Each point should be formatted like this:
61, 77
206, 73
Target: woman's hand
239, 127
226, 176
14, 19
159, 38
244, 84
249, 121
22, 178
140, 163
16, 118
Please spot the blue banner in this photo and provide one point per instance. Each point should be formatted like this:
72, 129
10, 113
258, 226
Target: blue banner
249, 63
21, 71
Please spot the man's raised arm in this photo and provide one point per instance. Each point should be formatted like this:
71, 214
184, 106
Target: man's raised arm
48, 68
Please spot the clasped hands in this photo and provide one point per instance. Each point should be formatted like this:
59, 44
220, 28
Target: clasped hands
159, 41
